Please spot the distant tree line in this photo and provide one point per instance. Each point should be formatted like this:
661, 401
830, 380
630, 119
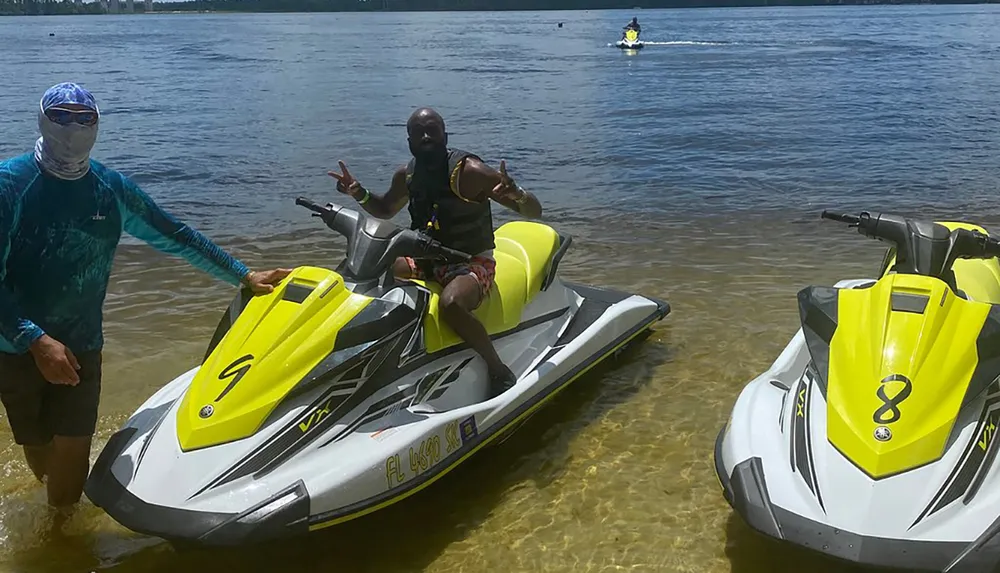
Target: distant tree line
29, 7
489, 5
8, 7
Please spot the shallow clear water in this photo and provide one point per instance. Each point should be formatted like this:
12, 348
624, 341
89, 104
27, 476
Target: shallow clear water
693, 171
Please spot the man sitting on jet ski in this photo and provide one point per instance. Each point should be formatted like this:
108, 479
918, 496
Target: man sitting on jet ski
449, 192
633, 25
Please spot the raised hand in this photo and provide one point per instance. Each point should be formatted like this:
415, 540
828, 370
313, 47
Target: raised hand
506, 188
346, 183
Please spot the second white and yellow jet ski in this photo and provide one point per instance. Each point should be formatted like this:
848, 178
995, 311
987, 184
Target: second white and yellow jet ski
872, 437
343, 391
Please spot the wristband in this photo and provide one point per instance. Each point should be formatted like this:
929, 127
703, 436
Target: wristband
364, 199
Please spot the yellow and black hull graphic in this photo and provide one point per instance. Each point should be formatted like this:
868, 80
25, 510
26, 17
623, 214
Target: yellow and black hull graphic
354, 373
977, 459
800, 446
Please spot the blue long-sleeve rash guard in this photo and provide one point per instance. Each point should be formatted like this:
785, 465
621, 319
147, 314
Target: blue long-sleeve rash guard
57, 245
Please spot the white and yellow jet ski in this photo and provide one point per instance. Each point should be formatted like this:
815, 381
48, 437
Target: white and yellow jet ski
630, 41
343, 391
872, 437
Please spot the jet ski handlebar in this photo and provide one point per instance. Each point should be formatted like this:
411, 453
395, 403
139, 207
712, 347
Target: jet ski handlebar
374, 244
451, 254
851, 220
984, 247
302, 201
921, 247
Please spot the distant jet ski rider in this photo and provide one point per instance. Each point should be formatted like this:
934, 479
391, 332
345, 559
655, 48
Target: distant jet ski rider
633, 25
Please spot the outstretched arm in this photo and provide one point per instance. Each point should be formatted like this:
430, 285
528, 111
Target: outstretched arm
145, 220
382, 207
478, 181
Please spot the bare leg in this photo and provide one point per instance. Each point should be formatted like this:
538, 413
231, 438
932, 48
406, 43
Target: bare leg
458, 299
401, 269
68, 466
38, 459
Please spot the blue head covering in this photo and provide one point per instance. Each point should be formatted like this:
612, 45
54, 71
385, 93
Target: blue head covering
64, 150
68, 93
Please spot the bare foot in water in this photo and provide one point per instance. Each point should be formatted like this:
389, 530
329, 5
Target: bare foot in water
60, 517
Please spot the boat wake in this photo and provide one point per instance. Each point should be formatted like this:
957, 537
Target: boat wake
687, 43
681, 43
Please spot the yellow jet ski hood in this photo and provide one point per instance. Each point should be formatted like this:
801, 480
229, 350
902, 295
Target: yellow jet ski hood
271, 349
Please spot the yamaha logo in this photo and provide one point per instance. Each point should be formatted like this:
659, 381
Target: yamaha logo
883, 434
206, 411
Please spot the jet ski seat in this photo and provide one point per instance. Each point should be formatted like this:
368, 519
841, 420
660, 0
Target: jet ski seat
979, 280
523, 251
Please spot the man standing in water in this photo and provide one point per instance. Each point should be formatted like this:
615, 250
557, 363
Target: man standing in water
449, 193
61, 217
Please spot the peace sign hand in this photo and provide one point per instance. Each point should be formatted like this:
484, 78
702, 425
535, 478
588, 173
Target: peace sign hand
346, 183
507, 188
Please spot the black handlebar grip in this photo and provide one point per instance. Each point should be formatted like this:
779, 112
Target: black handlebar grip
992, 247
308, 204
842, 218
456, 254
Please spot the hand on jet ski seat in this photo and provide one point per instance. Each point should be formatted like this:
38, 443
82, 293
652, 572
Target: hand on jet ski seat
449, 193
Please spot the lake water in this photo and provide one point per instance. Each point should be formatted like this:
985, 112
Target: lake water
694, 171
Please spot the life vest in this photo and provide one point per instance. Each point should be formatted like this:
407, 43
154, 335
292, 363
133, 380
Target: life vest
436, 208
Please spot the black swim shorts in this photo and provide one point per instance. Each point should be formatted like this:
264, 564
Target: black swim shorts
38, 409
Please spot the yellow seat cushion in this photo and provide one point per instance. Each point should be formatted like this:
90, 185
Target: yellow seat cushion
523, 252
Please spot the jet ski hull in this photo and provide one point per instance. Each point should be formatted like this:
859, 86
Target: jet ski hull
306, 470
783, 477
629, 45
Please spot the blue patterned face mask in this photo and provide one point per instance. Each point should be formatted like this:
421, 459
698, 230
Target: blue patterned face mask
68, 134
